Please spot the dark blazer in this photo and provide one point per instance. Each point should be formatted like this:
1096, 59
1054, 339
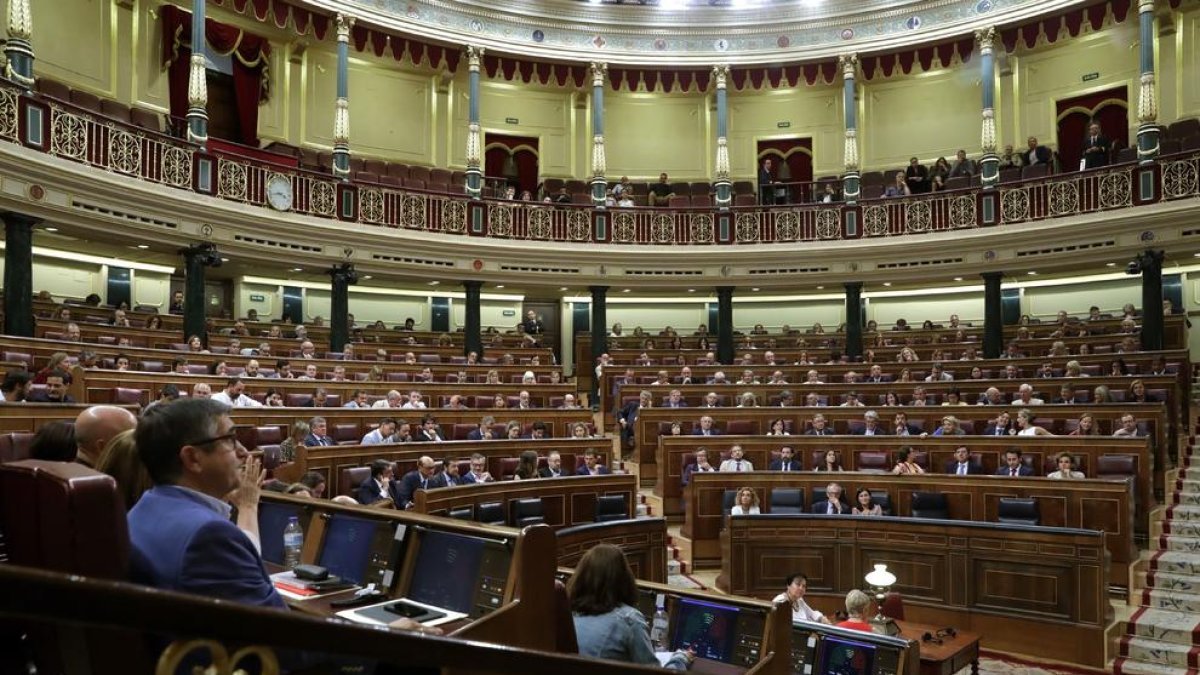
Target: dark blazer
691, 469
367, 492
711, 432
403, 489
822, 507
468, 478
777, 465
824, 432
629, 413
880, 430
475, 435
973, 468
179, 543
917, 178
583, 471
681, 404
766, 191
422, 436
313, 440
1099, 156
991, 431
532, 327
912, 430
545, 472
1021, 471
42, 397
1041, 152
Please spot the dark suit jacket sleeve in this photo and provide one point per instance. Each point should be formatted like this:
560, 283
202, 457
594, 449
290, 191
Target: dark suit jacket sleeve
775, 466
366, 493
474, 435
582, 471
409, 484
951, 467
820, 507
220, 562
687, 474
544, 472
1043, 154
975, 469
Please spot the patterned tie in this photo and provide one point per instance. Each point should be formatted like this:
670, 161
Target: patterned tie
739, 465
1012, 472
962, 469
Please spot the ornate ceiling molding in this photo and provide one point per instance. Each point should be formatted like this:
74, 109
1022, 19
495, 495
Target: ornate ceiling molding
783, 31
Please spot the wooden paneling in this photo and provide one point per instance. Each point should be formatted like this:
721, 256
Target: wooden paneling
565, 501
643, 540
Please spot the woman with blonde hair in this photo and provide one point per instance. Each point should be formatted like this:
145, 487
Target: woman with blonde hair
296, 435
120, 460
746, 503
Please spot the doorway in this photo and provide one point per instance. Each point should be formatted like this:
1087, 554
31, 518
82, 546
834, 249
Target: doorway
1110, 108
511, 161
792, 160
549, 312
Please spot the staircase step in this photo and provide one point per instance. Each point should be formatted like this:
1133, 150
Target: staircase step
1172, 542
1159, 652
1175, 562
1179, 511
1189, 481
1126, 666
1165, 626
1183, 528
1173, 581
1177, 601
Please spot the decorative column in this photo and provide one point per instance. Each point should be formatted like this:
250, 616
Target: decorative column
341, 113
725, 325
599, 336
1152, 299
993, 316
722, 184
599, 164
197, 114
18, 47
472, 341
989, 165
850, 180
1147, 134
18, 270
854, 336
196, 257
341, 277
474, 142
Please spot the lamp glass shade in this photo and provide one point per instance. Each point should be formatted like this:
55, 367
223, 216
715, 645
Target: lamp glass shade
880, 577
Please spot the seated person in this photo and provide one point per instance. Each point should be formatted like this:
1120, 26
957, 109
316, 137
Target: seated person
962, 465
856, 610
592, 466
608, 624
478, 472
660, 192
421, 478
700, 465
745, 504
376, 487
905, 466
736, 461
1065, 470
1013, 466
553, 468
865, 505
833, 504
794, 596
1129, 428
787, 460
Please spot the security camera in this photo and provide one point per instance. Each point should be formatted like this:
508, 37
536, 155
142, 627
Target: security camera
1134, 268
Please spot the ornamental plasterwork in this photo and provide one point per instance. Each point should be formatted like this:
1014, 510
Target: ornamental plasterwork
778, 31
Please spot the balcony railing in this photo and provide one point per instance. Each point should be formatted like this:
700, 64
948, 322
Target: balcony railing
78, 135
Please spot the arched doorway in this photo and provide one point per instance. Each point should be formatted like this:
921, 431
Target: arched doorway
511, 160
1109, 107
793, 162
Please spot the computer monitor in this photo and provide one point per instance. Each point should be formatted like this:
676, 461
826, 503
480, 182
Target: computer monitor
458, 572
272, 519
708, 629
841, 656
359, 550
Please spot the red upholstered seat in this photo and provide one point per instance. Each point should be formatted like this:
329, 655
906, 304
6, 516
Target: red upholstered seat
125, 395
346, 434
351, 477
269, 435
741, 427
875, 461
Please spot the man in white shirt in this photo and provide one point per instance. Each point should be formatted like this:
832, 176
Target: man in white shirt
736, 461
233, 397
382, 434
938, 374
794, 596
1025, 396
414, 401
394, 399
1129, 427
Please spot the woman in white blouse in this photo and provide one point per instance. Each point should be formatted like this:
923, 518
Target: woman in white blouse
1065, 461
746, 503
1026, 427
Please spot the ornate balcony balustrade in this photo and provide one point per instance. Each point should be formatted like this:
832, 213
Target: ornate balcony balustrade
77, 135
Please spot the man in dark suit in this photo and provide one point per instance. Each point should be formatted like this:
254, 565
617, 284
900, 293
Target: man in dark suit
180, 534
701, 465
627, 416
833, 503
1001, 426
871, 426
706, 428
962, 465
1067, 395
1036, 154
375, 487
532, 324
478, 472
901, 427
553, 468
675, 400
55, 391
766, 184
917, 176
317, 435
591, 465
786, 462
1013, 466
1095, 147
421, 478
819, 427
484, 431
428, 431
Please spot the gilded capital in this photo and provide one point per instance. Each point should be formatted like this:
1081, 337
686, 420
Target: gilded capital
599, 73
344, 24
721, 74
20, 20
986, 38
849, 64
474, 58
1145, 6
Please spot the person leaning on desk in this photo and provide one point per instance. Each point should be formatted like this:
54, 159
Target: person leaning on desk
608, 623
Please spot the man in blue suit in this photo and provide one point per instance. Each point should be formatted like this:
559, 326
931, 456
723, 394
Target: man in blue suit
484, 431
318, 437
1013, 466
591, 465
422, 478
179, 531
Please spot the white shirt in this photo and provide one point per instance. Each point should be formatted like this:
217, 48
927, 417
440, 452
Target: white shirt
381, 403
737, 465
800, 609
375, 438
242, 401
737, 510
410, 405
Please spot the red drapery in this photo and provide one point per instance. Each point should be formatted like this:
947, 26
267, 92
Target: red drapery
796, 154
524, 152
251, 78
1108, 107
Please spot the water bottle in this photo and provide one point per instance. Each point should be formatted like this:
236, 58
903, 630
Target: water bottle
658, 627
293, 541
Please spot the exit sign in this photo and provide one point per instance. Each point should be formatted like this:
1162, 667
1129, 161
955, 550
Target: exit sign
255, 297
783, 125
511, 120
1091, 76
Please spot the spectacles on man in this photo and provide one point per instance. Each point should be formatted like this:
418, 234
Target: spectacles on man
231, 436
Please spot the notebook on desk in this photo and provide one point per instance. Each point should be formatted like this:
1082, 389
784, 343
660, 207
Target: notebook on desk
384, 613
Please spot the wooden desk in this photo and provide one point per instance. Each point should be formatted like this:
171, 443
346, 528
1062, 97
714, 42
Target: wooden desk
951, 656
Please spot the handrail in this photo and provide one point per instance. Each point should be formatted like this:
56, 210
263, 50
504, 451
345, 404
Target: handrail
122, 149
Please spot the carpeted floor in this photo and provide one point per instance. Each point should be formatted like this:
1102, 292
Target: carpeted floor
991, 663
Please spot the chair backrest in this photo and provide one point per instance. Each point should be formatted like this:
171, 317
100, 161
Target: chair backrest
741, 427
873, 461
1116, 466
727, 500
893, 606
350, 478
272, 456
462, 512
268, 435
610, 508
124, 395
565, 639
787, 500
930, 505
1018, 510
344, 433
884, 500
491, 513
527, 512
